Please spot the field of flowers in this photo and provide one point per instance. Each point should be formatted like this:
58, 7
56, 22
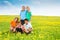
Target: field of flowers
44, 28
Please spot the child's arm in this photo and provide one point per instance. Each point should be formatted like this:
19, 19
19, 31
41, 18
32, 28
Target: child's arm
23, 28
20, 13
16, 26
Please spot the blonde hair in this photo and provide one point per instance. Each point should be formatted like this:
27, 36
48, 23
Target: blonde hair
28, 8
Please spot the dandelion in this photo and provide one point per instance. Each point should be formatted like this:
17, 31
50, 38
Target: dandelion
5, 33
0, 32
32, 32
41, 36
0, 35
6, 38
33, 38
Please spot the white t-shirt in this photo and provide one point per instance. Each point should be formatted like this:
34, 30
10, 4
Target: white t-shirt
27, 26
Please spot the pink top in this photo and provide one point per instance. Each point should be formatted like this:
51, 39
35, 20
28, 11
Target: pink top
20, 26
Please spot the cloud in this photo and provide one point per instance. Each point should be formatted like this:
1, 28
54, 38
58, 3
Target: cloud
8, 3
35, 2
9, 9
38, 7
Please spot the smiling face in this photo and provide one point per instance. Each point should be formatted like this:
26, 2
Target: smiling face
16, 19
27, 8
26, 21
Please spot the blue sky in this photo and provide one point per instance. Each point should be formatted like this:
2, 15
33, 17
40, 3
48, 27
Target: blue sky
38, 7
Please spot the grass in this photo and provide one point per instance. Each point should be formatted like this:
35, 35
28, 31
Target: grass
44, 28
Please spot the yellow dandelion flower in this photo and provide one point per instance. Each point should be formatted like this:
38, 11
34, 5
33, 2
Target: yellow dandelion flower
6, 38
41, 36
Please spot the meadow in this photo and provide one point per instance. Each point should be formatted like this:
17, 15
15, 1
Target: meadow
44, 28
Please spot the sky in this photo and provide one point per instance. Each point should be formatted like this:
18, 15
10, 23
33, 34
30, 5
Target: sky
38, 7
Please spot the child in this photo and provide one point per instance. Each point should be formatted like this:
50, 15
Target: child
23, 15
28, 15
13, 24
28, 26
19, 27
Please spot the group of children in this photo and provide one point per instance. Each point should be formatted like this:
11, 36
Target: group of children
24, 25
16, 26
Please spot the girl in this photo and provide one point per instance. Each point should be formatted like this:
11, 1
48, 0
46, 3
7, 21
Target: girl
13, 24
28, 15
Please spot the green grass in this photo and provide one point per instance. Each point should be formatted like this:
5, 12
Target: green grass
44, 28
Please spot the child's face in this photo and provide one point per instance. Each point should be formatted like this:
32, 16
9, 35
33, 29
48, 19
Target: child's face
26, 22
27, 8
16, 19
23, 8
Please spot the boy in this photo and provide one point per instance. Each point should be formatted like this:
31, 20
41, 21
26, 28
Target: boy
23, 15
28, 26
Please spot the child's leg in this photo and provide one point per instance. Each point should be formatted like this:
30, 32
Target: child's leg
30, 29
14, 30
23, 28
26, 31
11, 28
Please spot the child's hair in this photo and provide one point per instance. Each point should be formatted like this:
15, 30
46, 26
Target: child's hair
16, 18
26, 20
23, 6
27, 6
19, 22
